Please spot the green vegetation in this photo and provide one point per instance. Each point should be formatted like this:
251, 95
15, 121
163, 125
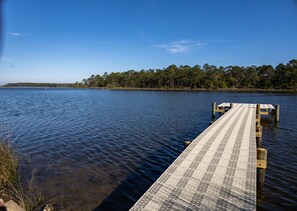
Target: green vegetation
11, 186
283, 76
8, 167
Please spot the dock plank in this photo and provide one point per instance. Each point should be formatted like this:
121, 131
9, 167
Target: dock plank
216, 171
262, 106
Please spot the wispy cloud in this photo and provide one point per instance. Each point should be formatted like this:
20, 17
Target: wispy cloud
5, 59
181, 46
17, 34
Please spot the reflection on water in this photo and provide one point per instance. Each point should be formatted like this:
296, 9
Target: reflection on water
102, 149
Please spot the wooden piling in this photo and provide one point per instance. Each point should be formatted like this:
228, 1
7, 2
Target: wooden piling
258, 119
261, 165
259, 135
277, 111
258, 130
231, 105
259, 141
214, 108
258, 109
258, 114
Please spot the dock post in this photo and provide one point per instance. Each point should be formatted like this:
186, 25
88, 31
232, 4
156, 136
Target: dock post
187, 143
277, 109
259, 135
261, 165
258, 114
231, 105
258, 109
214, 108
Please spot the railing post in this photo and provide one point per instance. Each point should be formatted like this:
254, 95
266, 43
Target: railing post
258, 109
214, 108
277, 111
258, 115
259, 135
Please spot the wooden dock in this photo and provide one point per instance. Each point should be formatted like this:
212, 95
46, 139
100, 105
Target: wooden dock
217, 171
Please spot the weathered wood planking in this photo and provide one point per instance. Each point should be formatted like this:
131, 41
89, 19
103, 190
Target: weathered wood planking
216, 171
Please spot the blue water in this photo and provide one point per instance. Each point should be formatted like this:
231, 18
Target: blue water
102, 149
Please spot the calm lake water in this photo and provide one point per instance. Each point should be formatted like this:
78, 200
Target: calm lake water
102, 149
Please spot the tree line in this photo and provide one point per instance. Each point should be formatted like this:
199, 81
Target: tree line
283, 76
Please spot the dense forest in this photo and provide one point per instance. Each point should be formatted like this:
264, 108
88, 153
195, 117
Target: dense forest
283, 76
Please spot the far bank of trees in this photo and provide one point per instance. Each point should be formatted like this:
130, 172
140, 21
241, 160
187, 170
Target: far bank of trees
283, 76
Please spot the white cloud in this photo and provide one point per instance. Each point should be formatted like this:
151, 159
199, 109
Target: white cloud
17, 34
5, 59
181, 46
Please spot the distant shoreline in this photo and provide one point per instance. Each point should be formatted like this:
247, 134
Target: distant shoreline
34, 87
198, 89
161, 89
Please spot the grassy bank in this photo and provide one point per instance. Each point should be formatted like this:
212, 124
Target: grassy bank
11, 186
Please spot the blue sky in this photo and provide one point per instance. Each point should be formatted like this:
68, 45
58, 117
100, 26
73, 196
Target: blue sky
68, 40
